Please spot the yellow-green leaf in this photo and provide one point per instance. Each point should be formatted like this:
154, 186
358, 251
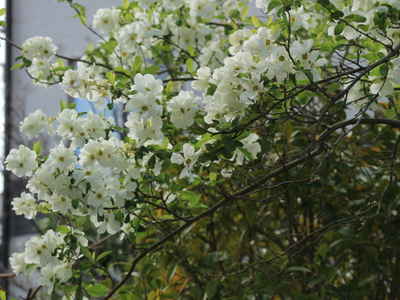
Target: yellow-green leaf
111, 78
245, 12
255, 21
37, 147
63, 104
191, 50
213, 178
60, 62
97, 290
190, 65
169, 87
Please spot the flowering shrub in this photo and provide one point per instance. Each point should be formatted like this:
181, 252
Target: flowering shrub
235, 167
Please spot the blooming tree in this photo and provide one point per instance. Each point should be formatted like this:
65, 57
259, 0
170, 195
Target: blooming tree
253, 149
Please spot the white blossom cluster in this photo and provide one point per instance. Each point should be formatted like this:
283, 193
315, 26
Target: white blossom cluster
39, 51
53, 254
99, 168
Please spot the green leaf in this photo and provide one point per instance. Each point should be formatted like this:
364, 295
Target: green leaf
347, 232
111, 78
151, 70
250, 215
337, 15
122, 70
330, 273
246, 153
63, 229
169, 87
2, 11
333, 87
104, 254
211, 289
389, 113
19, 66
63, 104
120, 217
229, 143
72, 105
213, 178
86, 252
205, 138
190, 65
75, 203
97, 290
191, 196
245, 12
37, 147
359, 19
355, 18
383, 70
324, 3
322, 251
339, 28
191, 50
2, 295
152, 162
297, 269
171, 272
255, 21
273, 5
137, 65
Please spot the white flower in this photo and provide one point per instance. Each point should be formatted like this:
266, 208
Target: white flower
203, 8
262, 4
298, 18
182, 109
18, 264
148, 84
41, 182
25, 205
108, 224
106, 20
382, 86
129, 37
64, 270
144, 106
60, 203
38, 252
202, 78
249, 144
141, 131
72, 84
21, 161
237, 40
62, 159
39, 47
48, 277
172, 4
94, 125
98, 197
188, 159
33, 124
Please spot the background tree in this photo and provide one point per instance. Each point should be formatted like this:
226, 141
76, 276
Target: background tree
257, 158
